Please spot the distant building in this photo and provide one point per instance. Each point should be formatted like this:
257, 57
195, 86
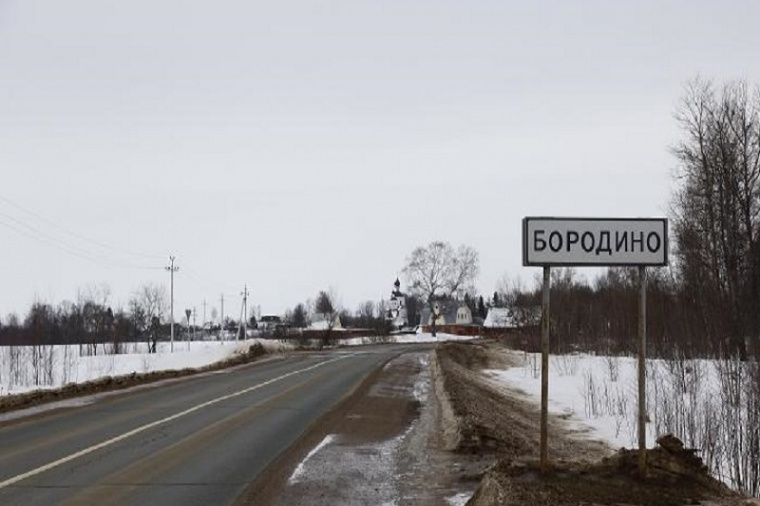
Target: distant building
269, 322
500, 318
397, 311
325, 321
450, 312
516, 317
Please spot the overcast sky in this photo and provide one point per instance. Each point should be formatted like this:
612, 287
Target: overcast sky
304, 145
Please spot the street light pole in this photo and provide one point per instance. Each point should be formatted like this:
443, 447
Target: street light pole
172, 269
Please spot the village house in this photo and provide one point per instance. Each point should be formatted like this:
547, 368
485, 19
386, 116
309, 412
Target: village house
500, 318
450, 312
325, 321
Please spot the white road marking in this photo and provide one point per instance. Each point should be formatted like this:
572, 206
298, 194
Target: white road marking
109, 442
299, 470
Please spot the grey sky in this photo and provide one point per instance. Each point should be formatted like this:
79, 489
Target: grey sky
303, 145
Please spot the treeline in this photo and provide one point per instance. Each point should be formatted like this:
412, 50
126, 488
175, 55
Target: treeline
601, 316
87, 323
92, 321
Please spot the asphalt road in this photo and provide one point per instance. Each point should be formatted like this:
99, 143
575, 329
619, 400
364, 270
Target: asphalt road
199, 441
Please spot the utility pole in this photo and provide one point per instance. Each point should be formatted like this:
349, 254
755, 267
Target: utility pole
204, 316
188, 312
195, 326
241, 321
245, 311
221, 318
172, 269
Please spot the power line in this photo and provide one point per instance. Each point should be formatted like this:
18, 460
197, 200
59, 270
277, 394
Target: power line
77, 235
39, 236
206, 283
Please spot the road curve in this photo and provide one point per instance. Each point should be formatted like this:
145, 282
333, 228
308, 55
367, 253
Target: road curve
198, 441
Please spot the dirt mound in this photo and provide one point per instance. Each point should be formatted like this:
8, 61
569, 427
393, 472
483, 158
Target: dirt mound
476, 355
675, 476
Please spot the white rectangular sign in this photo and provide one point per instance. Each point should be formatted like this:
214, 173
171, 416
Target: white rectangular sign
595, 241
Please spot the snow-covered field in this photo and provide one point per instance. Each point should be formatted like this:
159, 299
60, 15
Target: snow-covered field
25, 368
709, 404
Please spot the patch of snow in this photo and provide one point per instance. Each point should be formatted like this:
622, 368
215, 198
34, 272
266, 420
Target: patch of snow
582, 392
422, 384
426, 337
354, 341
419, 337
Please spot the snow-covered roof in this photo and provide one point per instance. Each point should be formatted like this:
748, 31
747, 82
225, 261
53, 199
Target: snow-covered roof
500, 317
322, 322
447, 311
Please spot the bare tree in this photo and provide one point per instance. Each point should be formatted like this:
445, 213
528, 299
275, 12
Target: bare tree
139, 317
147, 308
507, 291
326, 310
154, 302
438, 271
365, 314
717, 208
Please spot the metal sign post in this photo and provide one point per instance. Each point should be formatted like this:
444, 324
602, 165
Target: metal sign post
642, 370
545, 316
597, 242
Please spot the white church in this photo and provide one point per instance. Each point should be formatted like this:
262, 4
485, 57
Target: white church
397, 310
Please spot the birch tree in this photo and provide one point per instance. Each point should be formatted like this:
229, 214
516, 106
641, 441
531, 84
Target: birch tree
438, 271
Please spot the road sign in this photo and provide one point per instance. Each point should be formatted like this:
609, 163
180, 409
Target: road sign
595, 241
549, 242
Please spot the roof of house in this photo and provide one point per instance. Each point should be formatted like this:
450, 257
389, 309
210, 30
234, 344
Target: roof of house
322, 321
500, 317
449, 310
